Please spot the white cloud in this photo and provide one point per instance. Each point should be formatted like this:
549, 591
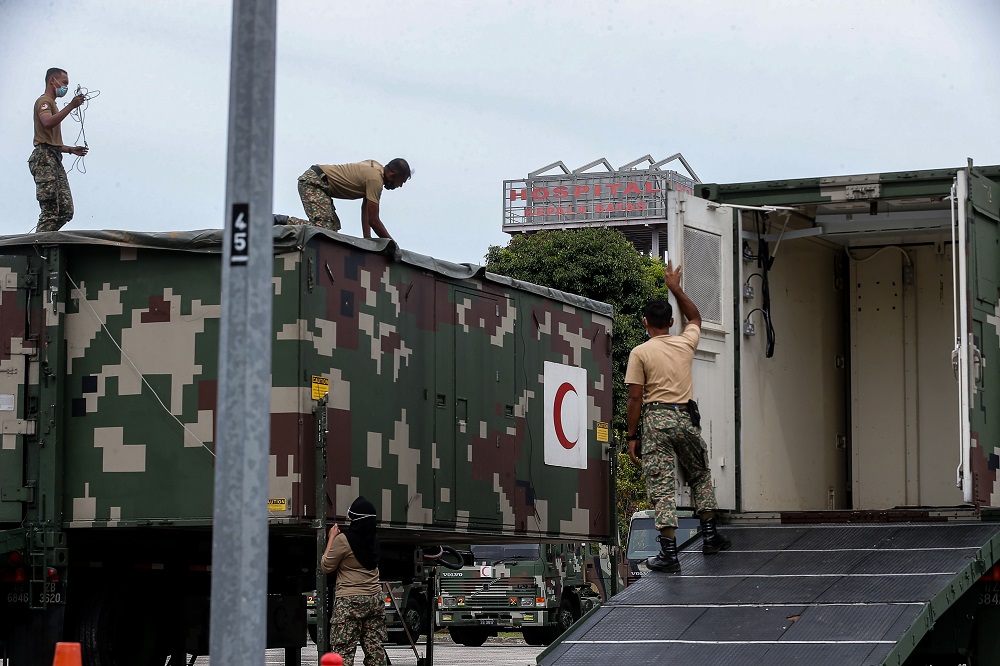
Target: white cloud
473, 93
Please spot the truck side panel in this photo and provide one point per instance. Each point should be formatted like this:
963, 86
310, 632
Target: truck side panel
435, 386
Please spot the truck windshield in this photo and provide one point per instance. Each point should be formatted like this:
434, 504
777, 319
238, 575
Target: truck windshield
642, 541
494, 554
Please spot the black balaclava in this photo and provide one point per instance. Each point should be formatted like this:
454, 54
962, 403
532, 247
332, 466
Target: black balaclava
361, 533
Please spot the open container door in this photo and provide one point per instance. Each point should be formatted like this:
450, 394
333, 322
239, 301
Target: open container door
700, 239
978, 327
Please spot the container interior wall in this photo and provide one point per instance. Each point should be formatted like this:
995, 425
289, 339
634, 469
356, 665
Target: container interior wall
857, 408
792, 405
904, 411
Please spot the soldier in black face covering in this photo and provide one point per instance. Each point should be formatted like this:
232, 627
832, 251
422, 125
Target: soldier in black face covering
358, 613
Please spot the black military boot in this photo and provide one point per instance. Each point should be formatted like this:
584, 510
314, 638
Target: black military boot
711, 541
666, 559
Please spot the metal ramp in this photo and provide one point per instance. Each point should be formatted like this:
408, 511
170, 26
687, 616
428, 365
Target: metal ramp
789, 594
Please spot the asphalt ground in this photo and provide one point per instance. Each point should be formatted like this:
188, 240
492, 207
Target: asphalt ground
509, 652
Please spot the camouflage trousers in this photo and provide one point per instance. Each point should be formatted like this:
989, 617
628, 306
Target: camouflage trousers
317, 202
669, 437
51, 188
359, 619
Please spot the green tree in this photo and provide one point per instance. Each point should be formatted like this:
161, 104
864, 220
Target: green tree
599, 264
602, 265
630, 495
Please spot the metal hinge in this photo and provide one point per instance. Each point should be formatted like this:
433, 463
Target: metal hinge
26, 495
18, 427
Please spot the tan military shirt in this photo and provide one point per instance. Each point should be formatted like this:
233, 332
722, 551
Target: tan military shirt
354, 180
52, 137
662, 366
352, 578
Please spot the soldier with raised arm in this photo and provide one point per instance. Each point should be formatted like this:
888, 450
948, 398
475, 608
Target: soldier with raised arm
660, 388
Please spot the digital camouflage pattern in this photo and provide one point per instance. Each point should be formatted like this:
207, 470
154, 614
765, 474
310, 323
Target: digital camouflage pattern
317, 202
434, 372
51, 188
669, 437
359, 619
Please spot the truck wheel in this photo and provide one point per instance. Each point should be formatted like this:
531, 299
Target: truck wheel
565, 617
413, 616
111, 633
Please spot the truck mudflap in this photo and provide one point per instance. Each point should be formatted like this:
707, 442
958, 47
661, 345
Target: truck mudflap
817, 594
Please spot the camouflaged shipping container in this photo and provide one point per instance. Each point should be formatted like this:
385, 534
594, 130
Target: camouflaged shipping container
441, 406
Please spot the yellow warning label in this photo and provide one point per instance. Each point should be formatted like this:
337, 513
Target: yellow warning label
320, 386
277, 504
602, 431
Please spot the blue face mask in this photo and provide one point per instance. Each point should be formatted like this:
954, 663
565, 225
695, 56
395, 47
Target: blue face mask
61, 92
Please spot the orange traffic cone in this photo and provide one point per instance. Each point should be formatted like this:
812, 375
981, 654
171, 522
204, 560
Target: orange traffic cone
331, 659
67, 654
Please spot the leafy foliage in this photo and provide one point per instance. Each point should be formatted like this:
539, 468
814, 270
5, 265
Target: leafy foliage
631, 495
599, 264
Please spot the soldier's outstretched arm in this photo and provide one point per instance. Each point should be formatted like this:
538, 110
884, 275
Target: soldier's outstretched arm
370, 213
672, 276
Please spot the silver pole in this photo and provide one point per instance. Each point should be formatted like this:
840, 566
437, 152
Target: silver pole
240, 530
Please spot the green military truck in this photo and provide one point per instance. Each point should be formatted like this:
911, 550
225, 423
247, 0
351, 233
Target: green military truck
424, 385
539, 590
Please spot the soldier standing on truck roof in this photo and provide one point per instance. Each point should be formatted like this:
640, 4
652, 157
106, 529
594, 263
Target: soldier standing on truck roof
45, 163
660, 388
359, 610
322, 183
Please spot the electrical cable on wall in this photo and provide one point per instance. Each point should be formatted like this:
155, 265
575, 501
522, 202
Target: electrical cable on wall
764, 263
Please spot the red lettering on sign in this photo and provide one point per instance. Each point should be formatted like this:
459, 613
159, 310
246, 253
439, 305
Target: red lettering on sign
514, 195
615, 187
561, 191
632, 188
540, 193
649, 188
640, 205
580, 190
597, 190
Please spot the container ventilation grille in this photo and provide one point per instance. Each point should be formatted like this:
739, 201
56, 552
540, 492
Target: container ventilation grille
703, 272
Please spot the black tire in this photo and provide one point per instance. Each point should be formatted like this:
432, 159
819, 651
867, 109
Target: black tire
112, 633
468, 636
414, 617
565, 617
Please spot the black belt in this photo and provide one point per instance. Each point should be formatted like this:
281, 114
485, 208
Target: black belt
681, 406
319, 172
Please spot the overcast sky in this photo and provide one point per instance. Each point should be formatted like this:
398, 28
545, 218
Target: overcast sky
474, 92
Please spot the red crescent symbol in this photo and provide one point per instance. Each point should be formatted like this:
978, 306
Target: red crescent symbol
564, 388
